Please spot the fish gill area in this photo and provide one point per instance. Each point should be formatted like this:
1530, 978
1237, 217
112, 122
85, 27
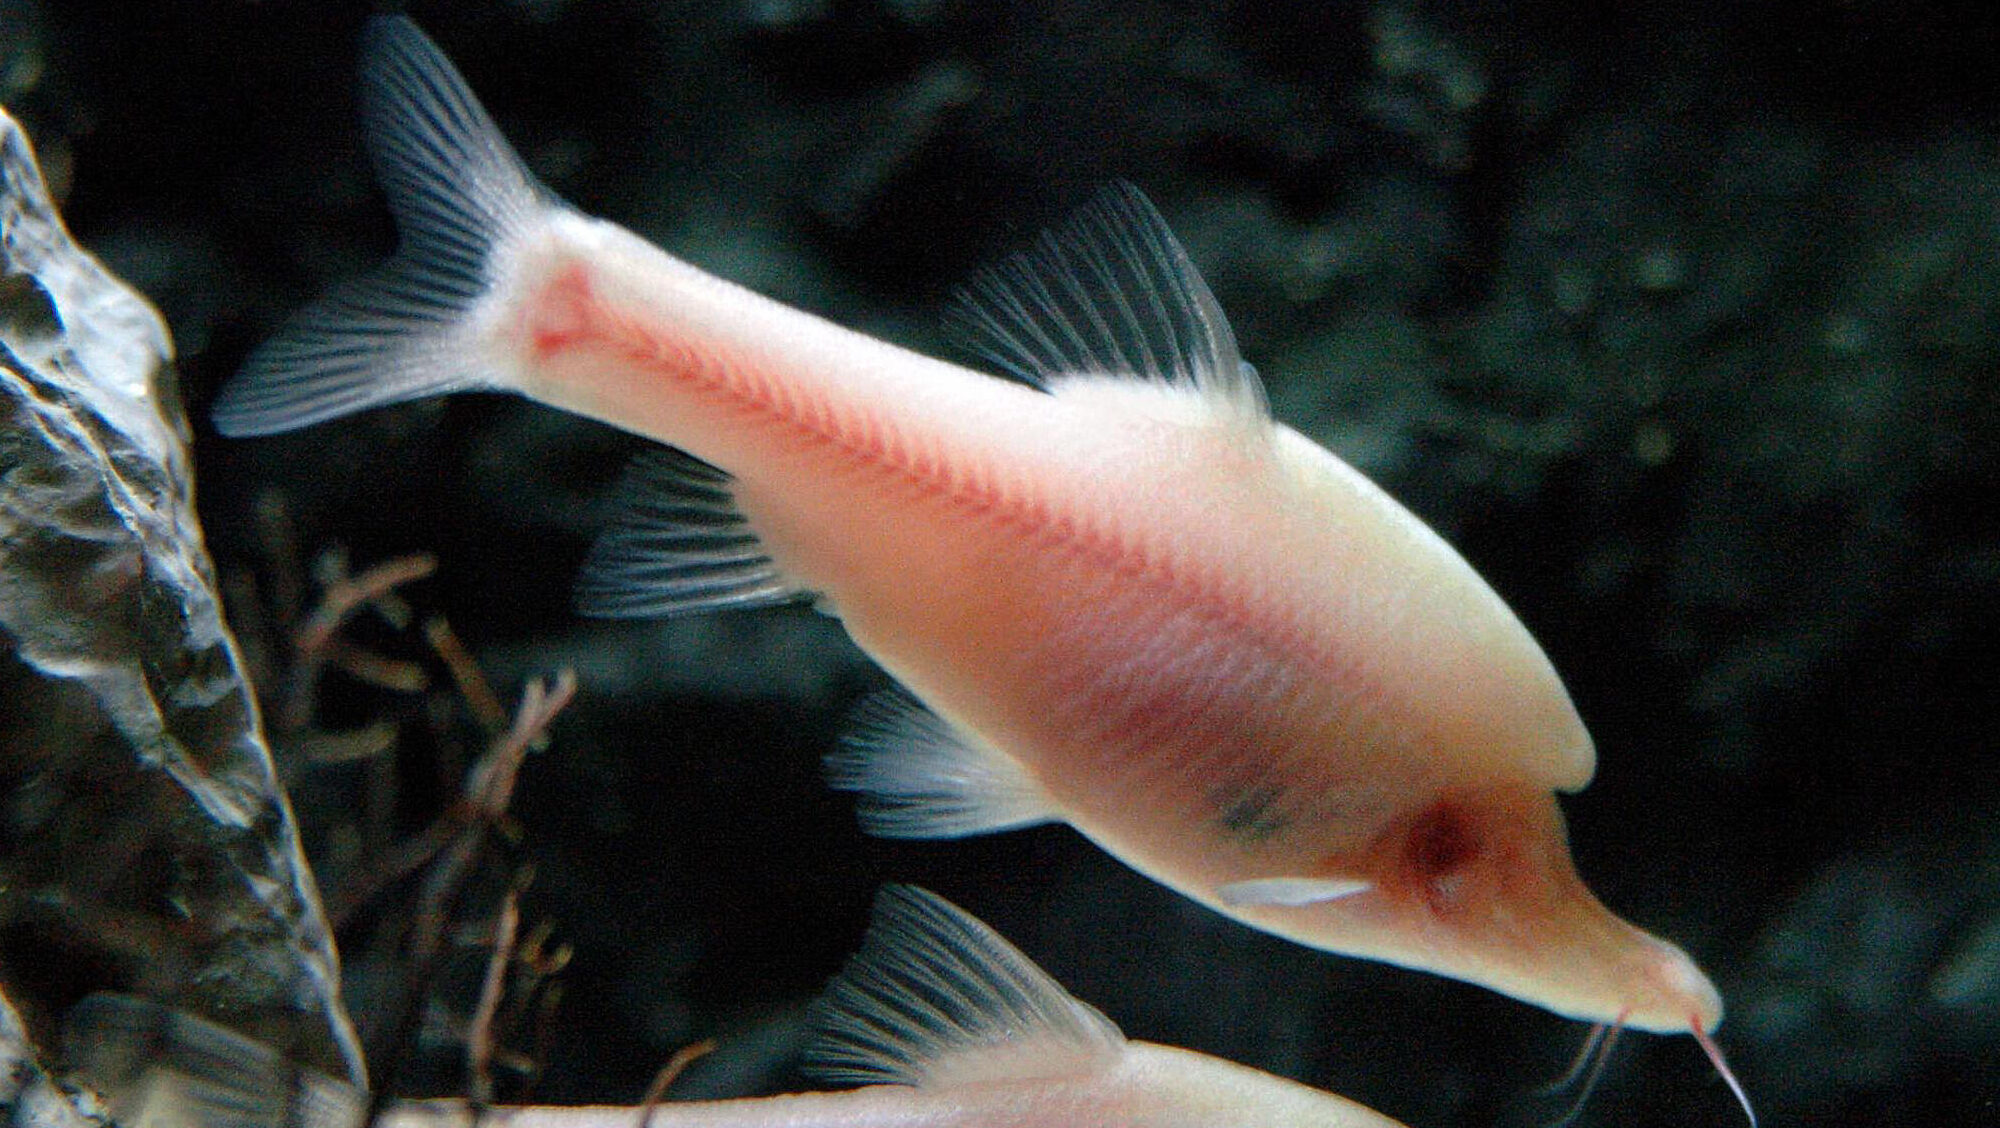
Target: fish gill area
1682, 322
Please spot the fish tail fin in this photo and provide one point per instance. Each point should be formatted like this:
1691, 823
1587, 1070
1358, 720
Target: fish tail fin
413, 327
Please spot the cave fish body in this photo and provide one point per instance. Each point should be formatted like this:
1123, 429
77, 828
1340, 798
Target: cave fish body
941, 1022
1120, 595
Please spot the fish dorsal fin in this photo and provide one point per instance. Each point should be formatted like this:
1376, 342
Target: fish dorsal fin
677, 544
157, 1067
934, 998
921, 777
1110, 293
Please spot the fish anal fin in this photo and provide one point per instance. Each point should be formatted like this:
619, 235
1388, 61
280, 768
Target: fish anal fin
677, 544
1110, 294
1290, 892
919, 776
935, 999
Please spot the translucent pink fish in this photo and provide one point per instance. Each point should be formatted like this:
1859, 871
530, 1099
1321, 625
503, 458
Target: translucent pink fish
1119, 593
941, 1022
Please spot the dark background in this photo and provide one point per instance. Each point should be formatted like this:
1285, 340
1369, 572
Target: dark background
1681, 321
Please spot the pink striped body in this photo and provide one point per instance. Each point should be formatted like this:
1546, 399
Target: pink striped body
1221, 653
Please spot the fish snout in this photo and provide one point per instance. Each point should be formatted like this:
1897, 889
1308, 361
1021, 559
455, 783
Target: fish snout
1676, 993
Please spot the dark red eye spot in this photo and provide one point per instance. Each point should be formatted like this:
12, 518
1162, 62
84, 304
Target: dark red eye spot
1441, 842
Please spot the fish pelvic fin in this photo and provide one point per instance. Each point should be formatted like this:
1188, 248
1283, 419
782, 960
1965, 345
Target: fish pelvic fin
677, 544
409, 329
935, 998
919, 776
156, 1066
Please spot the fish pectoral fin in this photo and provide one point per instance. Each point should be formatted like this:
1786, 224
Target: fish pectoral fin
919, 776
678, 544
1111, 293
153, 1064
1290, 892
935, 998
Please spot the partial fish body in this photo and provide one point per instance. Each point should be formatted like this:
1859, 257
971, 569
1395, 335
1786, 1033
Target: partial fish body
1128, 599
945, 1025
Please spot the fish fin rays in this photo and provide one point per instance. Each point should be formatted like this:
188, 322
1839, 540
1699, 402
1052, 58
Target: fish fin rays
403, 331
920, 777
1111, 293
678, 544
1290, 892
158, 1066
935, 998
